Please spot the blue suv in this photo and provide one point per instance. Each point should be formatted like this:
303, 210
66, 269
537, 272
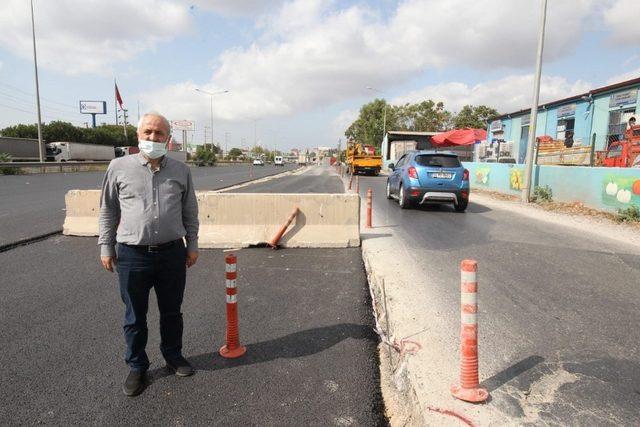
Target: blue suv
429, 176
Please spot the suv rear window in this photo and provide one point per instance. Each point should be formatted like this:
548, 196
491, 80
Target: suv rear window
438, 161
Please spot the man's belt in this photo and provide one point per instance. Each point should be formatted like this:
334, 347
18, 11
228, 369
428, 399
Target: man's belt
156, 248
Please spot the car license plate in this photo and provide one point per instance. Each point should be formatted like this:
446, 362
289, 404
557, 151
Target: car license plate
443, 175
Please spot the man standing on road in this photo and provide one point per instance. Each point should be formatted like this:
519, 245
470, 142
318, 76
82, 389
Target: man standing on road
148, 205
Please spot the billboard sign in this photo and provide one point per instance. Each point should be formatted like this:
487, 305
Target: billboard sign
567, 110
495, 126
93, 107
623, 98
183, 125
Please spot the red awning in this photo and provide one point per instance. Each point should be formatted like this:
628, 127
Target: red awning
459, 137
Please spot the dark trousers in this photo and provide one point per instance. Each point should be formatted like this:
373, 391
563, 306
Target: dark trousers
138, 271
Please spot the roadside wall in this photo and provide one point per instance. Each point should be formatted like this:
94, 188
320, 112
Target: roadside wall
607, 189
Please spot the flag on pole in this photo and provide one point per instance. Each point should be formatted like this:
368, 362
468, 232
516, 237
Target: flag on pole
118, 97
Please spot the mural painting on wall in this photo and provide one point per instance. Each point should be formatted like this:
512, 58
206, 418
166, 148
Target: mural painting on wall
621, 191
516, 178
482, 175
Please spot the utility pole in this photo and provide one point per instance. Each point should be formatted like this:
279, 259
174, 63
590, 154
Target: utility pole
526, 191
41, 150
125, 116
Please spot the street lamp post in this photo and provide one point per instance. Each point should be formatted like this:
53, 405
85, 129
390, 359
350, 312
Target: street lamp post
211, 95
526, 191
35, 64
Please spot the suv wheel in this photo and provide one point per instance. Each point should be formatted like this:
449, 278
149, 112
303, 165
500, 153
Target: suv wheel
403, 201
460, 207
389, 190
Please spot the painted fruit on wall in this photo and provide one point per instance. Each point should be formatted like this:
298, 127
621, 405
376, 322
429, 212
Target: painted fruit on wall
621, 191
516, 180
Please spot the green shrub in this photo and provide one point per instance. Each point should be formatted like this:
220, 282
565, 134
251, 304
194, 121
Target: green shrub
204, 156
542, 194
630, 214
6, 158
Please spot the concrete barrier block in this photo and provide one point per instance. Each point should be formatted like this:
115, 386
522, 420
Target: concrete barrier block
82, 209
232, 220
229, 220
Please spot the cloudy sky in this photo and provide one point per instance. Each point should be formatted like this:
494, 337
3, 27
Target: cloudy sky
297, 71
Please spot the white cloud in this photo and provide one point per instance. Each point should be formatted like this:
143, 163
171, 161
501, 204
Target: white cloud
343, 121
633, 74
622, 19
236, 7
312, 55
508, 94
89, 36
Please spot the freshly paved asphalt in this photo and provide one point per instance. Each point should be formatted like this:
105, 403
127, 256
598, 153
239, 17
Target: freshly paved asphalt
559, 308
33, 205
304, 317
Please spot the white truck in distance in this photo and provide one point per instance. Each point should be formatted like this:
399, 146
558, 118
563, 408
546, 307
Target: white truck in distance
78, 151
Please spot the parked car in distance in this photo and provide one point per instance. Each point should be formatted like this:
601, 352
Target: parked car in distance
258, 162
429, 176
278, 161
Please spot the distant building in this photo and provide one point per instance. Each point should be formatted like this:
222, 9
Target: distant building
600, 115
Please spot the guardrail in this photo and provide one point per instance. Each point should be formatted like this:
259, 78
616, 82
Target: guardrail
46, 167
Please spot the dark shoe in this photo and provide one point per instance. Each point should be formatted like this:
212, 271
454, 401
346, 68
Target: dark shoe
181, 367
134, 384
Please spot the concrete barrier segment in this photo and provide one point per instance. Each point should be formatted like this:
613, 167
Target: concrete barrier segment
232, 220
235, 220
82, 209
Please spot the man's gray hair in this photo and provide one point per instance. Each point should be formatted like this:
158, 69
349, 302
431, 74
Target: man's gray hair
155, 114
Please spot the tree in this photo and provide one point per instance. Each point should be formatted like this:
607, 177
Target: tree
369, 126
425, 116
61, 131
205, 156
235, 153
21, 131
474, 117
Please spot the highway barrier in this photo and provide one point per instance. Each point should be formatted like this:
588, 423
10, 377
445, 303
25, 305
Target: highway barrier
469, 389
234, 220
232, 349
82, 209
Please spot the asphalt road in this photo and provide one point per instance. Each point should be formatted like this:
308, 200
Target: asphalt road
33, 205
304, 317
559, 308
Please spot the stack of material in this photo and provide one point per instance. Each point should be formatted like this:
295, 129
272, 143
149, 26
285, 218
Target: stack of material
553, 152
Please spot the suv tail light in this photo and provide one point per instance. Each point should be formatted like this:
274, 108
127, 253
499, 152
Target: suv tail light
413, 173
465, 175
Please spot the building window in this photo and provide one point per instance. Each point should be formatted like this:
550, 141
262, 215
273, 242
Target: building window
618, 124
565, 128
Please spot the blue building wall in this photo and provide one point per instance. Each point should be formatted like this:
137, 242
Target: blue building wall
600, 188
591, 116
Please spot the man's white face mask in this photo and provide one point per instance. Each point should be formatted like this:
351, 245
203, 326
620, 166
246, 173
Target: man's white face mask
152, 150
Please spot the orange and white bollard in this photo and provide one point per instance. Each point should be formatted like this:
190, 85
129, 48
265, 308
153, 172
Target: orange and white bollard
232, 349
358, 184
369, 206
274, 241
469, 389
